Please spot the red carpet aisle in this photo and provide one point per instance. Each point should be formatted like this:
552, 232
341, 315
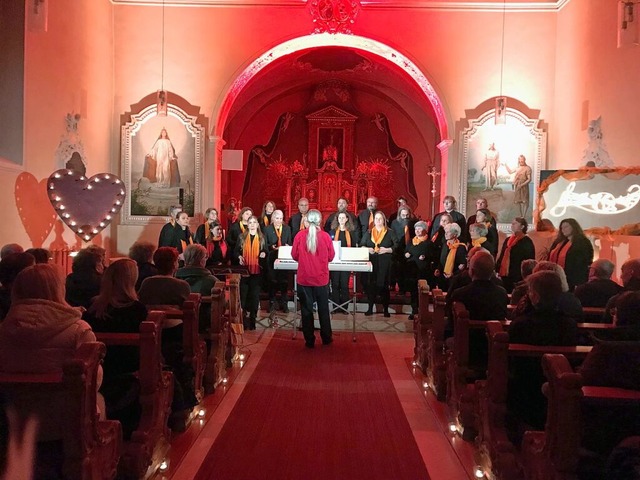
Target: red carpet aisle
327, 413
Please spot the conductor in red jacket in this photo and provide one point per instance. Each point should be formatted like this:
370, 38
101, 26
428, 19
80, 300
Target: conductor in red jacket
313, 250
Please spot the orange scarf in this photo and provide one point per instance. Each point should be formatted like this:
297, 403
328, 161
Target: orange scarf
435, 236
371, 221
184, 244
559, 253
506, 256
242, 227
251, 254
265, 220
478, 241
279, 234
302, 225
407, 235
347, 236
451, 256
418, 240
376, 237
207, 229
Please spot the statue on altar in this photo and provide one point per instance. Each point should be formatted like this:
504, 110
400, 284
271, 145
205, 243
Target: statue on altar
330, 153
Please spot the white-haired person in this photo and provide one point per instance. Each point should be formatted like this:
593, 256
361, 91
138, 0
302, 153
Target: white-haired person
313, 250
453, 255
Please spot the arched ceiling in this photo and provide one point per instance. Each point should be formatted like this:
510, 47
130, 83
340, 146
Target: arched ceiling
360, 69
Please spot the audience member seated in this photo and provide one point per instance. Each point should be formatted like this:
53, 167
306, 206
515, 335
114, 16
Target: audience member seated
567, 301
164, 288
83, 283
116, 309
624, 460
40, 254
10, 266
10, 248
520, 288
543, 323
600, 288
630, 278
142, 254
41, 331
464, 278
194, 273
625, 319
484, 300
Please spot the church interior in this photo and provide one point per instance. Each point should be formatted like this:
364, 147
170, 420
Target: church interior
283, 100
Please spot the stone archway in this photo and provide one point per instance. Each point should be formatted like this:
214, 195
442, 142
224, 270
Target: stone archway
381, 50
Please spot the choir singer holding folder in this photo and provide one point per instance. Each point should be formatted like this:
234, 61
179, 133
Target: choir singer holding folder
313, 250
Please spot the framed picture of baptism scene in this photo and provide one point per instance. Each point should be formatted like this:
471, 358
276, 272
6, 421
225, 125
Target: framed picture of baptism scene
161, 161
502, 164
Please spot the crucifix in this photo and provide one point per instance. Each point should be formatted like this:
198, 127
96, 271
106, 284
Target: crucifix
433, 173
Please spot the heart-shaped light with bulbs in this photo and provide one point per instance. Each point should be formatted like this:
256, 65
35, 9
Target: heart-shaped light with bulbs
86, 205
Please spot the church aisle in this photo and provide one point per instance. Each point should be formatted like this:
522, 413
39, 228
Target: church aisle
357, 427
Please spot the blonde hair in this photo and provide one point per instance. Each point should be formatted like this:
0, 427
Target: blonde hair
118, 286
43, 281
314, 217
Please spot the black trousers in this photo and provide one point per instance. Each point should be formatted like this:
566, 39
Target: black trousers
308, 295
373, 290
250, 294
340, 287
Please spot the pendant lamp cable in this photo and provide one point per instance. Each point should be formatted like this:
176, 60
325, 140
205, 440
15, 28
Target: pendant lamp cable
504, 15
162, 68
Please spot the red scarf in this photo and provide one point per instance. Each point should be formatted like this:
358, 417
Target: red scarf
251, 254
506, 256
559, 253
211, 246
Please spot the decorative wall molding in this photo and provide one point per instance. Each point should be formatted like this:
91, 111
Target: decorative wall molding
457, 5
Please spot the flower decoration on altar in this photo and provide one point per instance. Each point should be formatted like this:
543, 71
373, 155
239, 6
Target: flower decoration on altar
378, 169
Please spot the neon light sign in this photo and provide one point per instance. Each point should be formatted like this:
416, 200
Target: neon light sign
601, 203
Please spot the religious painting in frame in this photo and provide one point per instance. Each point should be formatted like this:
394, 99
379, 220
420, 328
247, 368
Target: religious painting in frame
502, 164
162, 159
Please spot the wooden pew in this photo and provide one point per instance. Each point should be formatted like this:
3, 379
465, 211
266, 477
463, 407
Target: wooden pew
149, 444
555, 452
90, 447
496, 452
421, 324
461, 393
436, 350
215, 336
235, 320
194, 349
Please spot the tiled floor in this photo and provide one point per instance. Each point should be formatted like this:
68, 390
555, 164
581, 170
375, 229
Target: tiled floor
446, 457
